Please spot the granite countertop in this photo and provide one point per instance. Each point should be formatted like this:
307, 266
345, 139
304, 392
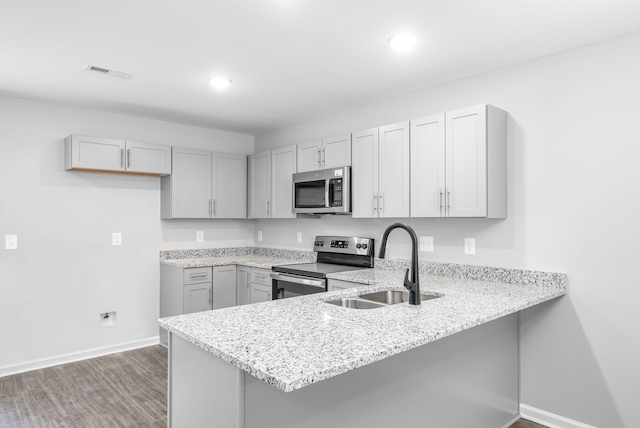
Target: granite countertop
265, 262
296, 342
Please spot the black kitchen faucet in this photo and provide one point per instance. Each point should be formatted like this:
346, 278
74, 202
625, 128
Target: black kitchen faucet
412, 285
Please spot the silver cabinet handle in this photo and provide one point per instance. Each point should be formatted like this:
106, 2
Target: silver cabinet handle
210, 295
200, 275
209, 207
448, 211
440, 200
381, 204
128, 158
121, 158
375, 203
319, 158
214, 207
268, 207
324, 157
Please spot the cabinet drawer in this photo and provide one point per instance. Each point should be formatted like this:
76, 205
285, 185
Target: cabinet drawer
197, 275
261, 276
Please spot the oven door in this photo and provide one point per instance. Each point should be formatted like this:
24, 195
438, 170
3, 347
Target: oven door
287, 285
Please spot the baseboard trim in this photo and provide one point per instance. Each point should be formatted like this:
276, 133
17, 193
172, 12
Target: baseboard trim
549, 419
76, 356
512, 421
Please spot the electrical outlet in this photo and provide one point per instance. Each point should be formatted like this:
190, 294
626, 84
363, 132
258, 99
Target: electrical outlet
426, 243
299, 237
199, 236
259, 235
116, 238
11, 242
470, 246
108, 319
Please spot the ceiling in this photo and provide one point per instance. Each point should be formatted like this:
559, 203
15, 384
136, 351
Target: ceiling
290, 60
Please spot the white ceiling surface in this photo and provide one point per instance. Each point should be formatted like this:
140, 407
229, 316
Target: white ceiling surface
290, 60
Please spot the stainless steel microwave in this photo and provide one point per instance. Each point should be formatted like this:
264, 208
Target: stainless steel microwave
325, 191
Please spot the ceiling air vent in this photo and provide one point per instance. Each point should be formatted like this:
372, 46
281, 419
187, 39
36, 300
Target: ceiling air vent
109, 72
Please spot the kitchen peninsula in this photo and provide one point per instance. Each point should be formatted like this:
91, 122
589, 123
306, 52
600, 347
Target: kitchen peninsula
300, 362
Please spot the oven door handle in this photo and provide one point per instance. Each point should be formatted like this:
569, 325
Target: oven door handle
297, 280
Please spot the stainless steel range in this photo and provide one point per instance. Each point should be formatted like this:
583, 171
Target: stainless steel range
335, 254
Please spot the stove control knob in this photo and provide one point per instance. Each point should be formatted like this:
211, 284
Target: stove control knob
364, 246
358, 246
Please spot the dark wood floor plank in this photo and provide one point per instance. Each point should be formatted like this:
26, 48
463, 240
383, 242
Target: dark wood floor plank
127, 389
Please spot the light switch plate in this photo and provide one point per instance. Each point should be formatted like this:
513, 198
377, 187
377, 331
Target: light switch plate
116, 238
426, 243
470, 246
11, 242
200, 236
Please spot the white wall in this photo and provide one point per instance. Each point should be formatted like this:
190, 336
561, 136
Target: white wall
574, 183
65, 271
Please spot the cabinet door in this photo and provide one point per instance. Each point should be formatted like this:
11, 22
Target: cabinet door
309, 156
338, 284
224, 287
364, 174
260, 293
466, 160
336, 151
148, 158
229, 185
283, 166
393, 174
427, 166
197, 298
191, 183
260, 185
242, 286
104, 154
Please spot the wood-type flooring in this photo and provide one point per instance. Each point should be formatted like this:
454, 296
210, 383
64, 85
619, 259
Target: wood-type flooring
128, 389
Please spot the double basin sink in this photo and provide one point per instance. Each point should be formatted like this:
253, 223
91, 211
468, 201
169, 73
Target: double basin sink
377, 300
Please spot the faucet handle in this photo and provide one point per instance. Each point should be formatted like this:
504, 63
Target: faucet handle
407, 283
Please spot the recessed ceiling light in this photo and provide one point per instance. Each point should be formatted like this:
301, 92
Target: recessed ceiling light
219, 82
402, 42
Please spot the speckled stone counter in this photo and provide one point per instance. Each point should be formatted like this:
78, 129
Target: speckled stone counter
246, 256
296, 342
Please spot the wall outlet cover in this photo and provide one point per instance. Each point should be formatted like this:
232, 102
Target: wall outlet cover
200, 236
11, 242
259, 235
108, 319
426, 243
116, 238
470, 246
299, 237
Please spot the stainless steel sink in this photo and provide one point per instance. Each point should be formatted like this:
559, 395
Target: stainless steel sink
355, 303
377, 300
392, 297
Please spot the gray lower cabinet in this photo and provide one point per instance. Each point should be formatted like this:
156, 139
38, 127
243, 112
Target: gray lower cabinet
243, 285
223, 290
338, 284
260, 286
187, 290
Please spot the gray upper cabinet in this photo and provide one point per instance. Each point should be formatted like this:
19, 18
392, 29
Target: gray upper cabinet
326, 153
107, 154
270, 183
229, 186
204, 185
186, 193
459, 166
380, 172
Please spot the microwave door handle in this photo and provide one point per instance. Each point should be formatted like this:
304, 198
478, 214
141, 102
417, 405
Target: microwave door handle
327, 186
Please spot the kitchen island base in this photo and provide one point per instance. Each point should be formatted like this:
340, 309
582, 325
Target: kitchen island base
466, 379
